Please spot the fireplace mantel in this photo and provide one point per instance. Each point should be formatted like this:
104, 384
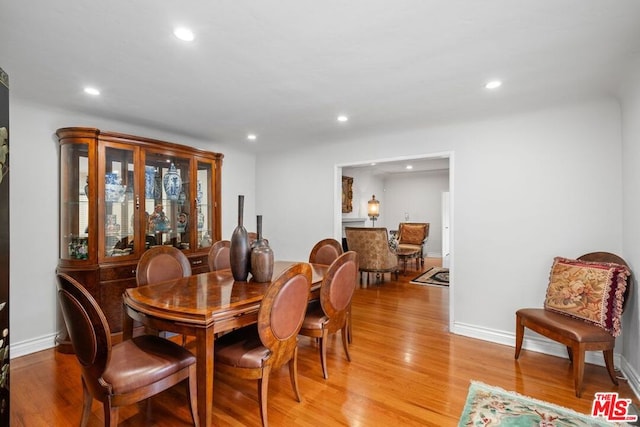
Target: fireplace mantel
353, 222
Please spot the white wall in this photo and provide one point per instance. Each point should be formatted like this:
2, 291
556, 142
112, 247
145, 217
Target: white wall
525, 188
630, 95
34, 211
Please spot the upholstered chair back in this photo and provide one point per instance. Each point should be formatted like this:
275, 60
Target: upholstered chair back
372, 246
219, 255
413, 233
162, 263
325, 252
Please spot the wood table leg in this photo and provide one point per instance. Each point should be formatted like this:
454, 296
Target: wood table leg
127, 324
204, 368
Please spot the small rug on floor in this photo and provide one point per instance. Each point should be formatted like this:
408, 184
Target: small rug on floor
492, 406
434, 276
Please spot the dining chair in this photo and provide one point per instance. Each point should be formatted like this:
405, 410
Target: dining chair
125, 373
413, 235
218, 257
331, 313
586, 324
161, 263
325, 252
374, 254
253, 351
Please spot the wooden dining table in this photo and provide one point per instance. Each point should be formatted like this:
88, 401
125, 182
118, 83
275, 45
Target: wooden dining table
201, 306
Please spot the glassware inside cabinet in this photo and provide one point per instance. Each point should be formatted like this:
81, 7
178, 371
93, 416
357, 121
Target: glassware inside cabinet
120, 201
74, 207
167, 202
203, 200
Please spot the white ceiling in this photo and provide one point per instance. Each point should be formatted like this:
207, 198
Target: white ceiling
285, 69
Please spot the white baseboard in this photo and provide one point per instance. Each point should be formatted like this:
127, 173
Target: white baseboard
434, 255
631, 375
539, 344
34, 345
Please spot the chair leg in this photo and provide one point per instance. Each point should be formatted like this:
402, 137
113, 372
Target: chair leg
349, 327
110, 414
323, 353
192, 394
345, 343
578, 367
293, 374
608, 360
519, 336
263, 388
570, 354
87, 400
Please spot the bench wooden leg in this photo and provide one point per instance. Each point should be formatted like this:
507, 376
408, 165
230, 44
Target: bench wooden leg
608, 360
578, 367
519, 336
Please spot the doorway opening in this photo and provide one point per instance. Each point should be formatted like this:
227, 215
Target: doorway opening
422, 193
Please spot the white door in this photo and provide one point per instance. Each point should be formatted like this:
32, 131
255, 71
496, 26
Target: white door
445, 229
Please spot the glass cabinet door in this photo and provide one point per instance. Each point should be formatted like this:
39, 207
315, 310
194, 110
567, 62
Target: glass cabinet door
204, 204
167, 201
120, 202
74, 208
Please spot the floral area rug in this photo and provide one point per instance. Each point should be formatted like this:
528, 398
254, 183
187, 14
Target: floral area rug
493, 406
434, 276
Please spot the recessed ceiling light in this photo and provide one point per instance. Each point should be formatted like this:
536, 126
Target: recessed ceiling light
184, 34
342, 118
91, 91
252, 137
493, 84
373, 164
408, 167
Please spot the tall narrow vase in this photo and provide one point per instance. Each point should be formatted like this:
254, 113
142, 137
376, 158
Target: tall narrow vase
239, 251
261, 257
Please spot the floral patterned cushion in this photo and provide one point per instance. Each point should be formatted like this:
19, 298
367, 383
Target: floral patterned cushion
591, 291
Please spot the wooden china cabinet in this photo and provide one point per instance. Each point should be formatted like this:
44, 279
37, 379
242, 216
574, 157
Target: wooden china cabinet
122, 194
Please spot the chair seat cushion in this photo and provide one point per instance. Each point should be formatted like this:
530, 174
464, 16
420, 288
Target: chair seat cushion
574, 329
144, 360
408, 246
315, 317
241, 348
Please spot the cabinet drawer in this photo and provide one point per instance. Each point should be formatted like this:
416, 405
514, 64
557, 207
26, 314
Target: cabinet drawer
199, 263
111, 301
119, 272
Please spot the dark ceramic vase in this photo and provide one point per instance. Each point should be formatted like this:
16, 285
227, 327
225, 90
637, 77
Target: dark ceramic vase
261, 257
239, 251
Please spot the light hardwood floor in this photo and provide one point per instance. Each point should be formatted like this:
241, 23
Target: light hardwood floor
406, 369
